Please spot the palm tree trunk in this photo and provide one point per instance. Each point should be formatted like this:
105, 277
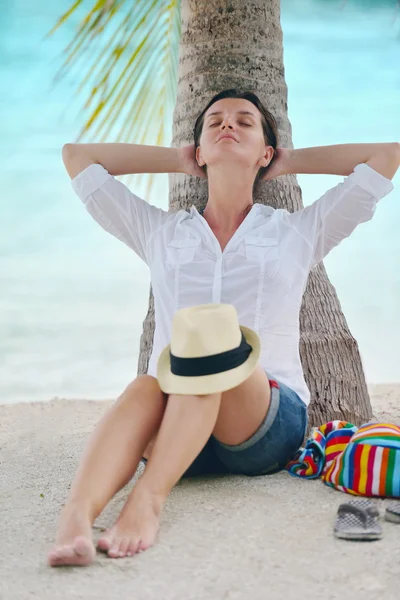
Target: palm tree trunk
239, 44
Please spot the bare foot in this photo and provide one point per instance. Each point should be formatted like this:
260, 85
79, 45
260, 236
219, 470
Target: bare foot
74, 542
136, 527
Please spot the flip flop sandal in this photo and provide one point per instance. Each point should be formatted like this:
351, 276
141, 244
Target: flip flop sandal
392, 512
358, 520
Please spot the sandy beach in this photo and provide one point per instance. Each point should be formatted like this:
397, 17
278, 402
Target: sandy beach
221, 537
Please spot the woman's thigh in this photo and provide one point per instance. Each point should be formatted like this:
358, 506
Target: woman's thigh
269, 449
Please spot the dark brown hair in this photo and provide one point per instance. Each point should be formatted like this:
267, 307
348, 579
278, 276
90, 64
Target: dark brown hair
269, 124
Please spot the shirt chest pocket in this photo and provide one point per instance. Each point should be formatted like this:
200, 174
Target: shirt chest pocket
262, 250
181, 252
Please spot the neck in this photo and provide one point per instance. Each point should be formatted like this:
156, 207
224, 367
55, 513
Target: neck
229, 201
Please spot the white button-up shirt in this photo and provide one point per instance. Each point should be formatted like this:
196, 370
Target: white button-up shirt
262, 271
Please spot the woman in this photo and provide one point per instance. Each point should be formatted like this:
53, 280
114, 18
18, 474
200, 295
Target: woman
236, 252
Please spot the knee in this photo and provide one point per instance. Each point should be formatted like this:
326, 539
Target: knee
143, 385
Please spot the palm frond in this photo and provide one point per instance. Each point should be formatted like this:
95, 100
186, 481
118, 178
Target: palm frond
128, 50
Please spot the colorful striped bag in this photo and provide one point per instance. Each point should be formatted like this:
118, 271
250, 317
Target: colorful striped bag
362, 462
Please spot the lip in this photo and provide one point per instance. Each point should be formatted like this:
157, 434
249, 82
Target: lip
227, 137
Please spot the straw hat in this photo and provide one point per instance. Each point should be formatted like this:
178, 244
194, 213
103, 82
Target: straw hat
209, 351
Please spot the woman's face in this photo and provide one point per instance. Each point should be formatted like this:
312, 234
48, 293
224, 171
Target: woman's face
246, 147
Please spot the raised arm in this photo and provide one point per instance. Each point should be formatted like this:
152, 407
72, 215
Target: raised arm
333, 217
121, 159
340, 159
111, 203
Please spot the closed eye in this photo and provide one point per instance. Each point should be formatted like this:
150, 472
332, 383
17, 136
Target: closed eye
245, 124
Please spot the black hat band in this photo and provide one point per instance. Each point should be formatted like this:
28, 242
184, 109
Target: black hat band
209, 365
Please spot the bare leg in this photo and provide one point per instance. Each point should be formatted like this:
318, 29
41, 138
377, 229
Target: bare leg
187, 424
110, 460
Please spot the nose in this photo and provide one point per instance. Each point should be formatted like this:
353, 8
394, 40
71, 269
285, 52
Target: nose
226, 123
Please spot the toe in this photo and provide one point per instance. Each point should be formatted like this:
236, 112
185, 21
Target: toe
106, 541
114, 550
83, 548
142, 547
147, 540
81, 552
123, 547
60, 553
133, 547
54, 556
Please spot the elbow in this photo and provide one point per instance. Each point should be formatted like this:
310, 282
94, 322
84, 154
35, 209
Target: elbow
395, 159
396, 149
75, 159
387, 161
394, 152
68, 150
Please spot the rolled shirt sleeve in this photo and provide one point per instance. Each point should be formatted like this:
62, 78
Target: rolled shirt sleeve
334, 216
120, 212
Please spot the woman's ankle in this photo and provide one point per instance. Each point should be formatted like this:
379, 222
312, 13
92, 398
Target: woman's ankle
82, 506
152, 494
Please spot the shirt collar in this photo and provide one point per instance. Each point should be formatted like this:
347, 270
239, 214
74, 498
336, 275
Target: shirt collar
257, 207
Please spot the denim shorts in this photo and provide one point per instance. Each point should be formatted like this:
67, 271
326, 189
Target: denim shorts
268, 450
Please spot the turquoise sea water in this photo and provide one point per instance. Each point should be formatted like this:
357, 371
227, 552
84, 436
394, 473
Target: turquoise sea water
73, 299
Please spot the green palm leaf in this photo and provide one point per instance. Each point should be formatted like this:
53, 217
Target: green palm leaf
129, 52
